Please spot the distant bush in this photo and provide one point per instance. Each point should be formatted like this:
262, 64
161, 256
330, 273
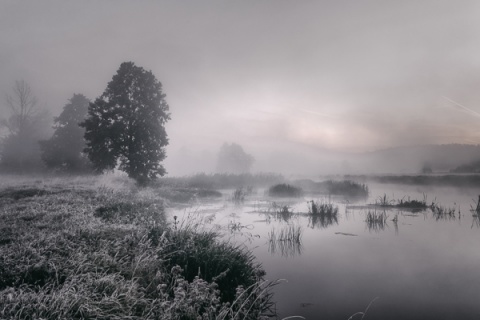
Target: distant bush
285, 191
346, 188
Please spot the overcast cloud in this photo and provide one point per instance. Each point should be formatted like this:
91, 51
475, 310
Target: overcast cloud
341, 75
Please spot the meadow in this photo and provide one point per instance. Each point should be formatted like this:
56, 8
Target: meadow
100, 248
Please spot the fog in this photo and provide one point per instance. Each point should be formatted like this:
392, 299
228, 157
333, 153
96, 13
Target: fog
302, 86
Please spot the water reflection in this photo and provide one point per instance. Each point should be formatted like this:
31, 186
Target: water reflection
476, 221
322, 214
287, 241
412, 273
443, 213
287, 249
376, 221
321, 221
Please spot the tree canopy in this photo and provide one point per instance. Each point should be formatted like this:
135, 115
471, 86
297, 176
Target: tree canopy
233, 159
125, 126
25, 125
64, 150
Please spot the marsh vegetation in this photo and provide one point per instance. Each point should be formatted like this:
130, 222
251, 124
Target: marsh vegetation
98, 252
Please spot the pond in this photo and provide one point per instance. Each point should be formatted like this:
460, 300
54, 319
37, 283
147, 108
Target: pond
400, 264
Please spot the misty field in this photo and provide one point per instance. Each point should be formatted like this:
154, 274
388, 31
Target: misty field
236, 247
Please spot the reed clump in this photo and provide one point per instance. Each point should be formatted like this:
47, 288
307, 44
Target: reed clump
239, 195
408, 204
442, 213
282, 212
287, 241
322, 214
376, 221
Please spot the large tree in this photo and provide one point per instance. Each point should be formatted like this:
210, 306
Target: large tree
25, 125
64, 150
233, 159
125, 126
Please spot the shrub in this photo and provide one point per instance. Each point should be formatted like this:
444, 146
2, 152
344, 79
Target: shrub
285, 191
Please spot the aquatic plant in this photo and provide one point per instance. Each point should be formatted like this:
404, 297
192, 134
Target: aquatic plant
376, 221
238, 195
476, 210
284, 190
412, 204
384, 201
282, 212
322, 214
407, 204
442, 213
363, 313
287, 241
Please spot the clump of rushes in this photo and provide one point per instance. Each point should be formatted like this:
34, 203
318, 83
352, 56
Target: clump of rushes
376, 221
322, 214
384, 201
409, 204
442, 213
105, 254
239, 195
287, 241
284, 190
282, 212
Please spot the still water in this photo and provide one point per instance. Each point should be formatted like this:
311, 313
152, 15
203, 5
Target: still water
413, 266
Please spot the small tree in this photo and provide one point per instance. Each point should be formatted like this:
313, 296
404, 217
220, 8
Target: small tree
126, 125
25, 126
232, 158
64, 150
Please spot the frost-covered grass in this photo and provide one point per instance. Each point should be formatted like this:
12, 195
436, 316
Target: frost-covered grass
100, 248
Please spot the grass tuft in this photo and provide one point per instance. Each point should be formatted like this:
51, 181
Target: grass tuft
322, 214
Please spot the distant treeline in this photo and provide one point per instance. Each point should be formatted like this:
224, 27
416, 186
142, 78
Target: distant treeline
223, 180
437, 180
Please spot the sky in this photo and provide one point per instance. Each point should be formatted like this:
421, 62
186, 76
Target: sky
272, 76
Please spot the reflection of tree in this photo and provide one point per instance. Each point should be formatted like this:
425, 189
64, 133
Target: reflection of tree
322, 221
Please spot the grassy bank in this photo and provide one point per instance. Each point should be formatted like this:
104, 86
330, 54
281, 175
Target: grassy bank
97, 248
